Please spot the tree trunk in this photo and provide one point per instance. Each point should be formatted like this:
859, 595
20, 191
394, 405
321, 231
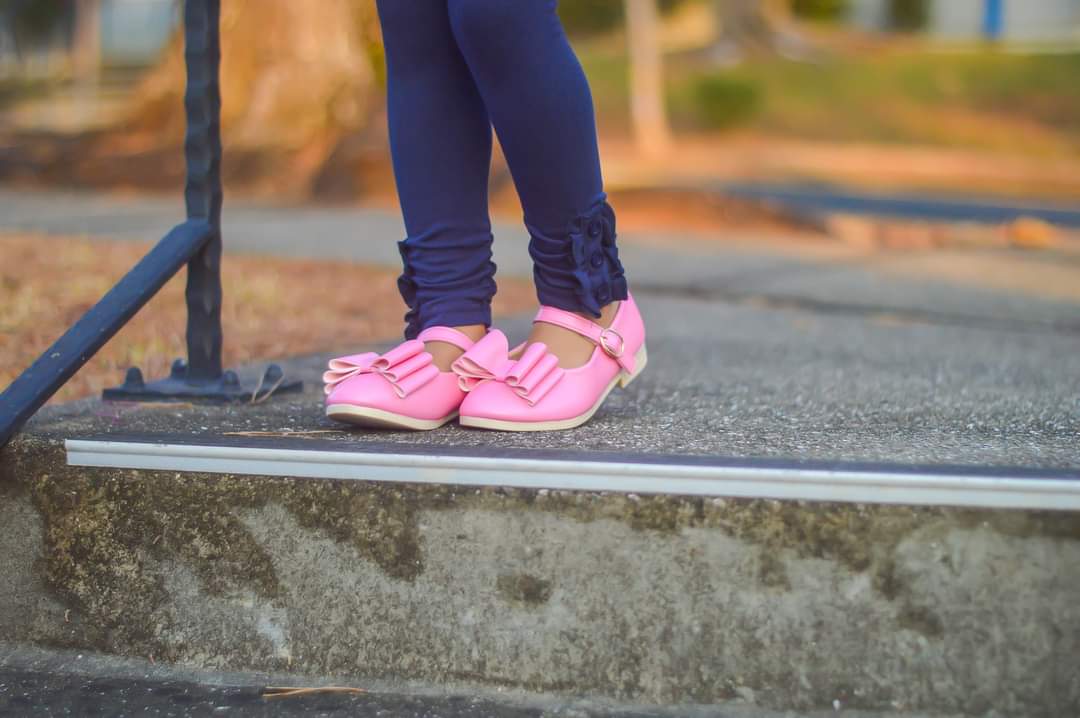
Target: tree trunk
86, 46
647, 77
292, 74
86, 56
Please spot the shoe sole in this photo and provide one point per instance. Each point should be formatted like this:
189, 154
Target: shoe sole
622, 380
379, 419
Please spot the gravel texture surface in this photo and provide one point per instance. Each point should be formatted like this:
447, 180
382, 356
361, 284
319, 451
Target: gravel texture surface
811, 352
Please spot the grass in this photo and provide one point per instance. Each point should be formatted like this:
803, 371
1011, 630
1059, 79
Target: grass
273, 308
905, 94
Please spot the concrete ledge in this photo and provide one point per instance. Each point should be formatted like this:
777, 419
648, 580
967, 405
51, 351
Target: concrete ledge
648, 599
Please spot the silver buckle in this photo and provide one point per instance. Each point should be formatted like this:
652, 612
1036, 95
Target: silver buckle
605, 344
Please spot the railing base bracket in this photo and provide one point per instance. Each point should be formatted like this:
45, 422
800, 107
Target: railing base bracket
179, 387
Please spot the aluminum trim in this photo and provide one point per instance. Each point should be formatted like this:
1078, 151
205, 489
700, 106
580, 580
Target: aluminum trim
858, 486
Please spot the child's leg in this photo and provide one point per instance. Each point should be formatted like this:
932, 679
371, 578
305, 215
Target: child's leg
440, 139
539, 101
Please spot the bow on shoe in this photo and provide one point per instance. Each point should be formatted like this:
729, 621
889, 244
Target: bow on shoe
486, 359
407, 367
531, 377
535, 373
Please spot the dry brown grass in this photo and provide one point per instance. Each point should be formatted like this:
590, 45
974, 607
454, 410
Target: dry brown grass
273, 307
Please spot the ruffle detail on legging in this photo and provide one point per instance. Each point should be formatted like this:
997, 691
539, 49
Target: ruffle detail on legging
584, 261
445, 286
408, 288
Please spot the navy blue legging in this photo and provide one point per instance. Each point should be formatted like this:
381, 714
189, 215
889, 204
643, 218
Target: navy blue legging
455, 68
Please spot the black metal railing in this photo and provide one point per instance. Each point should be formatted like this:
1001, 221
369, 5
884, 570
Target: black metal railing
196, 243
202, 191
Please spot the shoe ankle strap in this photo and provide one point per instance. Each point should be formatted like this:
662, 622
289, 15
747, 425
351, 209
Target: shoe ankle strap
606, 338
448, 335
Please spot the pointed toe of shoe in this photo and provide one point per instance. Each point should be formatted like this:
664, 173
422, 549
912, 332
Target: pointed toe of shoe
492, 401
495, 405
366, 389
369, 400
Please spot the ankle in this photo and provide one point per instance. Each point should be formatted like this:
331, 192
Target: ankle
444, 354
571, 349
607, 314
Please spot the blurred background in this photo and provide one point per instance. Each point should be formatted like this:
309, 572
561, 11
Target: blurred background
879, 126
965, 95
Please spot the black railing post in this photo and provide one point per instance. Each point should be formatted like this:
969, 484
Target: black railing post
202, 192
196, 242
201, 378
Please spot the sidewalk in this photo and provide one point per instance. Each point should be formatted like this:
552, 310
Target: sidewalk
803, 351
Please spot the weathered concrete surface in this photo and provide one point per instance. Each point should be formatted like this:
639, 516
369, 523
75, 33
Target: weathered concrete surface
747, 380
26, 610
644, 599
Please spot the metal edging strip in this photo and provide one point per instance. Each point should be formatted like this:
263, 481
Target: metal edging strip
771, 482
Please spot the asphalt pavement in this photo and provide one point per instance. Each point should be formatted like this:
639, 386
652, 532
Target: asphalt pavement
757, 348
47, 682
55, 694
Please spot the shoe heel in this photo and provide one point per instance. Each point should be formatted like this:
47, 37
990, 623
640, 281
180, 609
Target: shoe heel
640, 360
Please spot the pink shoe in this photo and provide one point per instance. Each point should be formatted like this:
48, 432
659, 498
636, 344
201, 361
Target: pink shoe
401, 389
533, 393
